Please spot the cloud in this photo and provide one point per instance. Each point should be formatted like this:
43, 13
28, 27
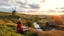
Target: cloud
5, 0
9, 4
21, 3
51, 4
6, 8
32, 10
4, 3
34, 6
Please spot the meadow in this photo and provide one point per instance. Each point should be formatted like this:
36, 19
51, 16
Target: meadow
8, 24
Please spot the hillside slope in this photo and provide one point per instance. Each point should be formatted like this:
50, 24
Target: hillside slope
8, 25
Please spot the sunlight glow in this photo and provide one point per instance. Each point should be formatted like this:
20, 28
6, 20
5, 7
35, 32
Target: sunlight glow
55, 13
51, 4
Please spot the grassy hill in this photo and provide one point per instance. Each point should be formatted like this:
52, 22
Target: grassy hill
8, 25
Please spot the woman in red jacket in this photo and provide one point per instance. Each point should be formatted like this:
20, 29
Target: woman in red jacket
19, 26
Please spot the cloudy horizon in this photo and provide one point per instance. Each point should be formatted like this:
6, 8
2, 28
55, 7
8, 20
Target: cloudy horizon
30, 5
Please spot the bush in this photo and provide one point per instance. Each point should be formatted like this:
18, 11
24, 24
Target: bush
29, 23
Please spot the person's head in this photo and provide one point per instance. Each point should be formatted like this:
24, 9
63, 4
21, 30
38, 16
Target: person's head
19, 20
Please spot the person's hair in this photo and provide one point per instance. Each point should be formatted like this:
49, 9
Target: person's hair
19, 22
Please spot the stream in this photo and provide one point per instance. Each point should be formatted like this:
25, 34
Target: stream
37, 27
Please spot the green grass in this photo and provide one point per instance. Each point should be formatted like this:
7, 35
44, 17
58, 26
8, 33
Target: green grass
8, 30
27, 20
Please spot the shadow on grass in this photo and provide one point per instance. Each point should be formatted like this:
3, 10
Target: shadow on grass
11, 26
28, 33
60, 28
50, 28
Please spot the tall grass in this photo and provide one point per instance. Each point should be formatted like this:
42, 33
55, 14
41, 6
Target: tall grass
8, 30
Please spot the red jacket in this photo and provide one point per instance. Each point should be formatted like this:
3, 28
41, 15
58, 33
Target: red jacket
19, 26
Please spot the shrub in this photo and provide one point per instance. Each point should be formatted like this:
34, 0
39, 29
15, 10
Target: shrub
29, 23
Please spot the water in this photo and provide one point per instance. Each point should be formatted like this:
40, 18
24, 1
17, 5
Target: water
37, 26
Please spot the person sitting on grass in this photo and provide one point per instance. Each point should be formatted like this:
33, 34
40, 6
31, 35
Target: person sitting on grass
21, 28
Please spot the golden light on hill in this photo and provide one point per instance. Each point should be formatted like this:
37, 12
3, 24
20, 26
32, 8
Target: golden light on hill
55, 13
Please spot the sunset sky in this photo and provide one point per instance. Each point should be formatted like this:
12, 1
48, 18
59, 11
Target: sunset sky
30, 5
